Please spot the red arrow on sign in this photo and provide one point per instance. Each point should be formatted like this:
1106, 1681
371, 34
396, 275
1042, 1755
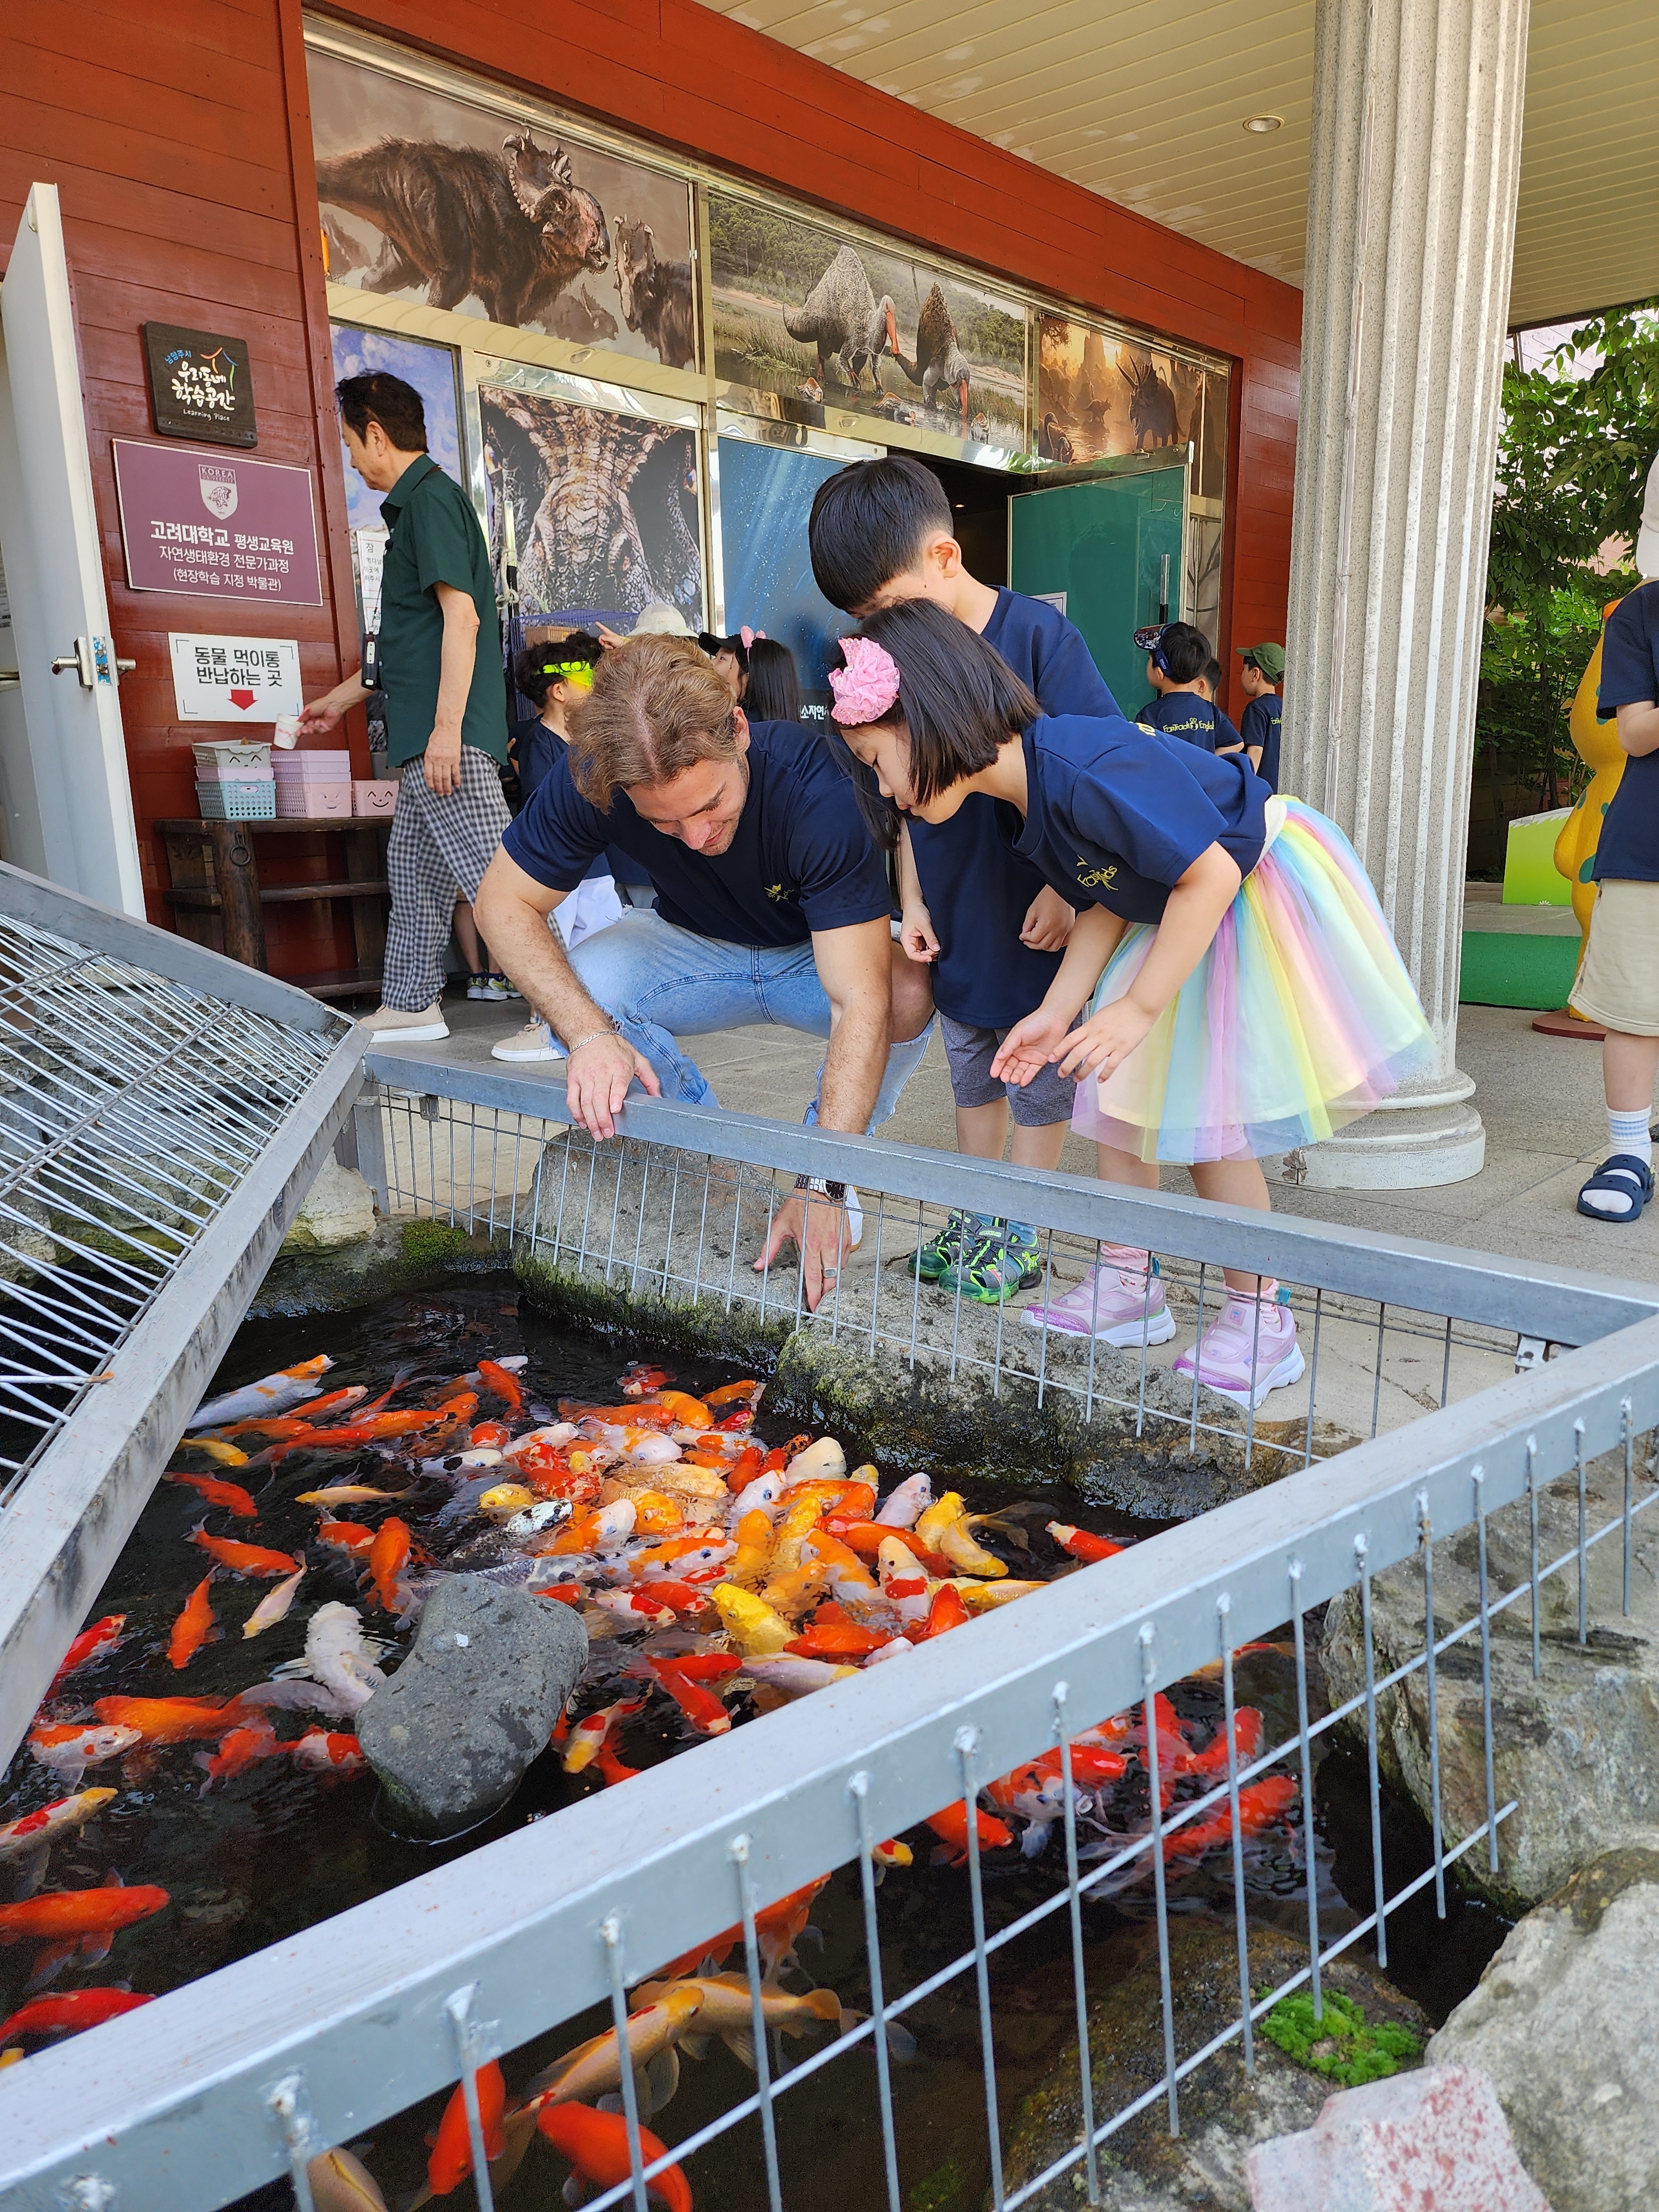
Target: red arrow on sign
242, 699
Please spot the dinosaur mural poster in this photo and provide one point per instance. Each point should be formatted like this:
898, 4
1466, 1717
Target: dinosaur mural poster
801, 313
1102, 392
604, 508
436, 199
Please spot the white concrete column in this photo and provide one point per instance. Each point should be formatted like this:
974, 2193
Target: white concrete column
1411, 220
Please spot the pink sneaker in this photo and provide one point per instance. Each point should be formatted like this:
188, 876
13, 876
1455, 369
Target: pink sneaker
1243, 1359
1120, 1301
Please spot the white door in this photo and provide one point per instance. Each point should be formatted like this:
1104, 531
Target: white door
67, 802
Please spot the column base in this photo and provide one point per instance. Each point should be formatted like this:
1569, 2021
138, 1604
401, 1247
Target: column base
1413, 1142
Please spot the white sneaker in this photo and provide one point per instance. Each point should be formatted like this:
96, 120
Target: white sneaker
399, 1027
535, 1040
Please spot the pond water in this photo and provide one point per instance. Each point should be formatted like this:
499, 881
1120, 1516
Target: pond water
248, 1860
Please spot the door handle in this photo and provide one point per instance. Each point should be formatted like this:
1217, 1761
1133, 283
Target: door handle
92, 662
80, 661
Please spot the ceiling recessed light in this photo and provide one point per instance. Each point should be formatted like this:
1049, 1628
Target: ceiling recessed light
1262, 124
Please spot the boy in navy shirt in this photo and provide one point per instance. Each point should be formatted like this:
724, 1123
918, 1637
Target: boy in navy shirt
1263, 673
1618, 982
1176, 657
993, 930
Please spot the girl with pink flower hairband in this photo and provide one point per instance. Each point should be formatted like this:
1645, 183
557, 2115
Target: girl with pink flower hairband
1230, 988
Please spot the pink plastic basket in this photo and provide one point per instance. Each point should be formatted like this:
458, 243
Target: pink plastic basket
375, 798
313, 801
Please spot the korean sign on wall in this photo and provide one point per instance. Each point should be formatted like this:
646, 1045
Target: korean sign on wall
234, 679
200, 386
217, 526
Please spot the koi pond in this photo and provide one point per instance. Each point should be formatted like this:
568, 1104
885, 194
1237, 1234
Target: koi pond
720, 1565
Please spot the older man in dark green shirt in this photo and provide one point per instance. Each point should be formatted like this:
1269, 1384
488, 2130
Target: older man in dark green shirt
445, 696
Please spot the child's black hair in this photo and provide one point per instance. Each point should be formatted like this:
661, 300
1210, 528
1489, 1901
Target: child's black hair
869, 524
774, 693
958, 699
1215, 676
540, 667
1182, 652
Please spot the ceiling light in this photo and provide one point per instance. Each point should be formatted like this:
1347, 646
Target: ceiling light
1263, 124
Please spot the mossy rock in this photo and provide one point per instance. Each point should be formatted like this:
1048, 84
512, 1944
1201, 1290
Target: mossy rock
1224, 2111
1338, 2041
401, 1255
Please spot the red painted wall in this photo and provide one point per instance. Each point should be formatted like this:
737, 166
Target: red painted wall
180, 145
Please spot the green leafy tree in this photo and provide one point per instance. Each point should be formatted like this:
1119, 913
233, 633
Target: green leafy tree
1578, 436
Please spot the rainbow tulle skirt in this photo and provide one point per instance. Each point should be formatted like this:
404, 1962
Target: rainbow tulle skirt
1299, 1018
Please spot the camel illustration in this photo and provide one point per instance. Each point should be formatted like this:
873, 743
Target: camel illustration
842, 316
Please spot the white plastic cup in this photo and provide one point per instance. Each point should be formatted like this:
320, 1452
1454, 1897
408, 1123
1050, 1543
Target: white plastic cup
287, 732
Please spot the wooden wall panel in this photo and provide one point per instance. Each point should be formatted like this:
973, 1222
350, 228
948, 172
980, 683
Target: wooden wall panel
181, 150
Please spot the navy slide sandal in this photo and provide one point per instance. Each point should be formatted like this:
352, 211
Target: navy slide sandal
1630, 1178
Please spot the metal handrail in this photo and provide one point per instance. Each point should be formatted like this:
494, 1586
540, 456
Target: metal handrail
1559, 1305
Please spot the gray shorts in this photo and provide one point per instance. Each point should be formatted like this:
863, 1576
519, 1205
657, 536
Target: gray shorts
1047, 1099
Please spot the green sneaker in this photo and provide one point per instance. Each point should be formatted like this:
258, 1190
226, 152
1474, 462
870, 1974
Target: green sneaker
952, 1245
1004, 1262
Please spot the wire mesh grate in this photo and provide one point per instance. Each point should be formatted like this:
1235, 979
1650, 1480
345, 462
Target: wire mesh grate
130, 1108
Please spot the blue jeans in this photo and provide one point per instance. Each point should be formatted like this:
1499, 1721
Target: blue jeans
655, 979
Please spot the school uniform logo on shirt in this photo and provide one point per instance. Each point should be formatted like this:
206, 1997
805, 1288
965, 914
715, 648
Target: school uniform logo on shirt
1093, 879
778, 892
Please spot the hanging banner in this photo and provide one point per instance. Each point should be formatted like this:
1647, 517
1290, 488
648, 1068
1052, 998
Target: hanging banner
220, 527
234, 679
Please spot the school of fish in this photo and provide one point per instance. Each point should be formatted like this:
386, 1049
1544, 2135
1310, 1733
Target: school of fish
716, 1576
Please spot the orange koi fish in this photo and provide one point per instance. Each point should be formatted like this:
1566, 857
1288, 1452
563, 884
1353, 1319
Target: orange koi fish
1081, 1545
611, 1768
502, 1382
317, 1751
1247, 1743
587, 1739
701, 1706
60, 1912
951, 1827
833, 1635
732, 1394
68, 2014
596, 2144
239, 1749
229, 1497
947, 1611
388, 1555
169, 1720
451, 2161
344, 1535
91, 1644
194, 1625
244, 1558
1260, 1804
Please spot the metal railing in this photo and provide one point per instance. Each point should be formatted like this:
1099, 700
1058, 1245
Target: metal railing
162, 1111
251, 2071
671, 1215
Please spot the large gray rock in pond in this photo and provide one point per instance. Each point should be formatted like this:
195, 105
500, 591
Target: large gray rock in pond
1565, 2019
1578, 1749
1224, 2112
475, 1702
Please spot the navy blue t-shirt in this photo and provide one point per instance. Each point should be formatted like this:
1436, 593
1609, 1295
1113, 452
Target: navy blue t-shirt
1261, 727
1629, 846
977, 888
1184, 714
802, 859
1117, 817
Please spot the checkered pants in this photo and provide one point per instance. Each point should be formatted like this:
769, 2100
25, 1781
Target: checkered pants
437, 853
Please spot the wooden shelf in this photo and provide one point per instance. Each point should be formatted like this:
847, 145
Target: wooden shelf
287, 894
286, 825
338, 983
